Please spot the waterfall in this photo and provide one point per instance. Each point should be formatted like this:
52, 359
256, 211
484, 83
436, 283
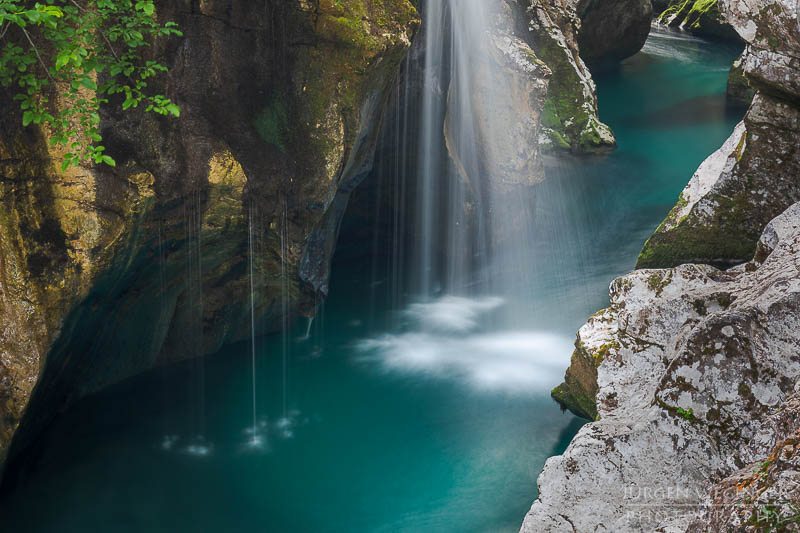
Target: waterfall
457, 175
473, 181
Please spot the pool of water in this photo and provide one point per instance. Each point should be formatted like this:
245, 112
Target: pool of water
420, 419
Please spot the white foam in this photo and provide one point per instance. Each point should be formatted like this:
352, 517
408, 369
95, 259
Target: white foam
452, 313
169, 442
448, 345
199, 448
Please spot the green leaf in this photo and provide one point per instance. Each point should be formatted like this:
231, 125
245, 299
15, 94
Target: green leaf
27, 118
89, 84
62, 59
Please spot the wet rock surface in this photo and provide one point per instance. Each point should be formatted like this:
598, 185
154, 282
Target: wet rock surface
105, 272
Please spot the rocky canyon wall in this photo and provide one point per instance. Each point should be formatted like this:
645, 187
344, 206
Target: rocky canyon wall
106, 272
692, 373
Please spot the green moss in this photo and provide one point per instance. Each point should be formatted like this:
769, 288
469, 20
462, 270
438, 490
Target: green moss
579, 391
700, 17
577, 402
272, 124
658, 281
568, 123
727, 239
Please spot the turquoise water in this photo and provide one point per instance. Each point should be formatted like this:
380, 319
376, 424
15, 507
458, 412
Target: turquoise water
386, 420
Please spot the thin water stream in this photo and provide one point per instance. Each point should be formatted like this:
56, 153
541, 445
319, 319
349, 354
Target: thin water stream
383, 419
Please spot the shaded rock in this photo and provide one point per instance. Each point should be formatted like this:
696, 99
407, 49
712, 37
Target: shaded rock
772, 58
612, 30
738, 92
595, 341
752, 178
734, 193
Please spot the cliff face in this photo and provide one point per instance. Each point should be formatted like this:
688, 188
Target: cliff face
692, 373
530, 78
753, 177
106, 272
693, 363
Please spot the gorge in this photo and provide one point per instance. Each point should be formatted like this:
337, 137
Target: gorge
336, 293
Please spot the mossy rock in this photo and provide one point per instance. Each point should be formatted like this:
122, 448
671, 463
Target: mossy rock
578, 392
567, 119
698, 17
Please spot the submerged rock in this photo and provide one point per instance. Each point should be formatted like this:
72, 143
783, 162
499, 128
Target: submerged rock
697, 364
107, 272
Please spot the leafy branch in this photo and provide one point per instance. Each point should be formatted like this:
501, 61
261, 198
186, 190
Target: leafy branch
86, 53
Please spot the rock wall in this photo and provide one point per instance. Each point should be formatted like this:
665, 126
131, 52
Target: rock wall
550, 105
738, 93
693, 364
106, 272
570, 118
692, 373
753, 177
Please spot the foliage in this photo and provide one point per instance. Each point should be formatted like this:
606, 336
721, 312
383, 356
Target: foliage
688, 414
85, 51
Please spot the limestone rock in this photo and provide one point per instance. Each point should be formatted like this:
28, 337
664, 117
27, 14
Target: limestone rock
738, 92
569, 118
764, 493
734, 193
753, 177
698, 360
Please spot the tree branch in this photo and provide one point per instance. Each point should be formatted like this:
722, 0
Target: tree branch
105, 38
38, 56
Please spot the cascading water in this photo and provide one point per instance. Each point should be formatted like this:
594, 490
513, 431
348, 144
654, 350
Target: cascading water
474, 196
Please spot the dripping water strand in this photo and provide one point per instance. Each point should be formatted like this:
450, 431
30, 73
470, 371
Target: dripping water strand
252, 326
284, 308
198, 220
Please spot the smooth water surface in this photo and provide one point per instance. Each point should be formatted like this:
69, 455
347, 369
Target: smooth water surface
420, 419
